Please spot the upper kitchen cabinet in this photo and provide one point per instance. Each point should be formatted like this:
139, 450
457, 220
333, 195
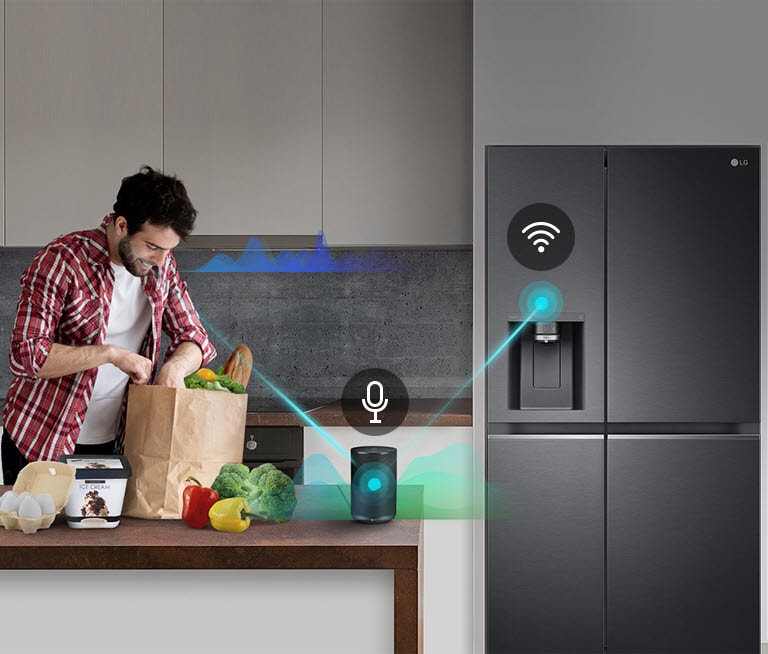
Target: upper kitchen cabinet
83, 109
397, 97
242, 115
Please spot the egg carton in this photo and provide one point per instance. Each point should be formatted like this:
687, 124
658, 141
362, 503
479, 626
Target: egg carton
11, 520
51, 477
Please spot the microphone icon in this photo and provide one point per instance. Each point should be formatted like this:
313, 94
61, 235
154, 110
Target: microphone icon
375, 407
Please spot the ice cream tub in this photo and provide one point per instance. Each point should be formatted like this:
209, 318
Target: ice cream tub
98, 490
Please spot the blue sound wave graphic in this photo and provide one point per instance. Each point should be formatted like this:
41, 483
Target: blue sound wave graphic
319, 259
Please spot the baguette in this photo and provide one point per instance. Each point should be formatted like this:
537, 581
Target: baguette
239, 365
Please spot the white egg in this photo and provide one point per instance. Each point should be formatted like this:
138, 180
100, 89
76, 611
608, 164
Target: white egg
47, 504
10, 502
29, 508
23, 495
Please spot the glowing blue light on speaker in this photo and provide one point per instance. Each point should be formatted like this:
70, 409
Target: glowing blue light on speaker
374, 477
295, 407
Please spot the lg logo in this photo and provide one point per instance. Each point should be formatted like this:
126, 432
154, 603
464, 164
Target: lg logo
739, 162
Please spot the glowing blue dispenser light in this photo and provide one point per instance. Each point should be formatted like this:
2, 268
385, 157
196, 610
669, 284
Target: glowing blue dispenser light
543, 300
374, 483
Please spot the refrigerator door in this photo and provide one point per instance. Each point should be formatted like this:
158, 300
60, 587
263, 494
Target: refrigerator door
545, 544
683, 303
683, 538
569, 181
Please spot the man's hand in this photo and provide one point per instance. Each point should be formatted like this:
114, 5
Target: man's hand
137, 367
185, 360
171, 375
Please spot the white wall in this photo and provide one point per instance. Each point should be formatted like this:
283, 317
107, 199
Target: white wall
631, 72
198, 611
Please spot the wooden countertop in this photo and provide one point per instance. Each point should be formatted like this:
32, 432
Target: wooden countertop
321, 535
436, 412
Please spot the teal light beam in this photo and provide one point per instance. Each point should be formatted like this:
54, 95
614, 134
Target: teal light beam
294, 407
515, 333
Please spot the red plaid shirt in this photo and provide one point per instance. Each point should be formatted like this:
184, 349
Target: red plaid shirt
65, 298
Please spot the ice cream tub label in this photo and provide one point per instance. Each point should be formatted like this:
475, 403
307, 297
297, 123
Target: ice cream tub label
98, 490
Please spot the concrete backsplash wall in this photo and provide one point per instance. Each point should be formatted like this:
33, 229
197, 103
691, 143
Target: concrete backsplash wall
310, 332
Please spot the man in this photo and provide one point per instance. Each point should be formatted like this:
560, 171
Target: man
89, 320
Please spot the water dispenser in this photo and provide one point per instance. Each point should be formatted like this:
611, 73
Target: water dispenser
547, 365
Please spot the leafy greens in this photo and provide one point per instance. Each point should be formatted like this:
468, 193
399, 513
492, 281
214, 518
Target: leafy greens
220, 383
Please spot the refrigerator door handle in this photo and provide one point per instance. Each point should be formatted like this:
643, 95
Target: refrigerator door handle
548, 437
671, 437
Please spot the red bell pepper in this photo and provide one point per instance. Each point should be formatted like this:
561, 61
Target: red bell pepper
198, 500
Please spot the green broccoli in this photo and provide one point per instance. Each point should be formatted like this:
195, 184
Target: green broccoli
270, 493
234, 480
275, 496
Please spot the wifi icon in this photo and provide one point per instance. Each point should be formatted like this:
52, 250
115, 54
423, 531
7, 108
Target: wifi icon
540, 234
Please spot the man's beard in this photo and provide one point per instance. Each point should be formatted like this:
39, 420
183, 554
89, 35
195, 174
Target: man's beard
134, 265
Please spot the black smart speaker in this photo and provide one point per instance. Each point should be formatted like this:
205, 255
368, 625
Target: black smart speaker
374, 483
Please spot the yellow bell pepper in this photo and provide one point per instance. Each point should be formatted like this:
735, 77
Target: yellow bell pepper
230, 515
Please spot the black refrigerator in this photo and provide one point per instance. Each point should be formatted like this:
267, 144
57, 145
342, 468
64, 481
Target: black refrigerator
623, 435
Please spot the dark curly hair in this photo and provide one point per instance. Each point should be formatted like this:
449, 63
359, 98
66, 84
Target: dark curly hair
152, 196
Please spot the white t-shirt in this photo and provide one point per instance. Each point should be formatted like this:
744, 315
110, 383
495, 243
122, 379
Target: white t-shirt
130, 315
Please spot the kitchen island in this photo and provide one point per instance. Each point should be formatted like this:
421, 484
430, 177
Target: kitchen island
321, 536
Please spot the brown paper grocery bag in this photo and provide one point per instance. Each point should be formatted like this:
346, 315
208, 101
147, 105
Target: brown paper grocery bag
171, 433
